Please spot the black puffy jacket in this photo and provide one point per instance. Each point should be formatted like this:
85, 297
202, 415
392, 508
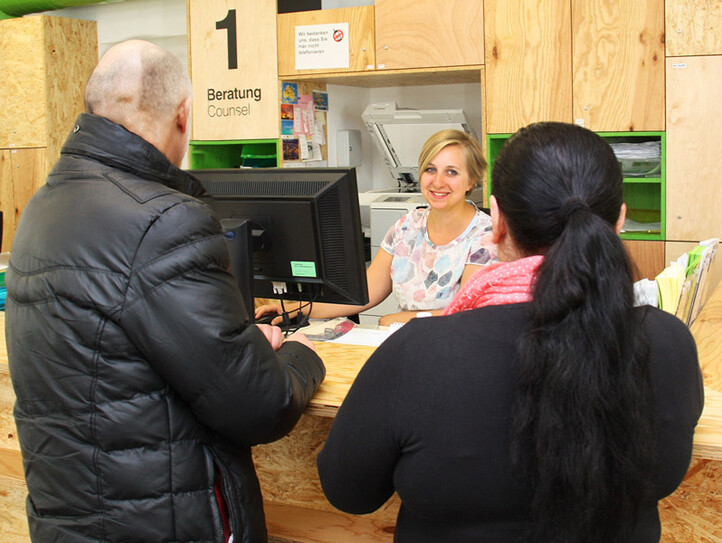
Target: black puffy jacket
139, 381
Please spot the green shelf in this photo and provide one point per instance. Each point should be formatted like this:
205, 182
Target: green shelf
645, 195
205, 155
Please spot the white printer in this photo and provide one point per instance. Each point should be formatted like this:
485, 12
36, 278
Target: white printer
399, 135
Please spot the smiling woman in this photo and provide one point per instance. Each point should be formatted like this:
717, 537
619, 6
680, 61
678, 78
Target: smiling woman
428, 253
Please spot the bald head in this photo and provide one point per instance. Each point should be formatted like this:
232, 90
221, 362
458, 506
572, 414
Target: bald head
141, 86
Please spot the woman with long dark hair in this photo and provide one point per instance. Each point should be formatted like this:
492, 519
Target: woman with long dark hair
544, 407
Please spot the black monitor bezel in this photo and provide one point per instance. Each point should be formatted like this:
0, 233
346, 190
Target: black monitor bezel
237, 194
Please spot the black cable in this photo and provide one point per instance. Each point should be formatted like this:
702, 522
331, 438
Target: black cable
301, 318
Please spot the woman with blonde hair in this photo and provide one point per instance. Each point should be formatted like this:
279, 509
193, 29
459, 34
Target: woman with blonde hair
431, 251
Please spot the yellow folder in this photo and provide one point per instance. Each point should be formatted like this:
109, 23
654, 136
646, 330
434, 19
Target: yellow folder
670, 282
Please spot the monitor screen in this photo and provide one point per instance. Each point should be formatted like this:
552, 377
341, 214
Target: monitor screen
305, 231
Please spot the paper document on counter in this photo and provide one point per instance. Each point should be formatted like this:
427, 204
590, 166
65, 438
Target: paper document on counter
363, 336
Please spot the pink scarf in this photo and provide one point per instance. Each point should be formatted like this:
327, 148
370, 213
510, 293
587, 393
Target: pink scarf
497, 284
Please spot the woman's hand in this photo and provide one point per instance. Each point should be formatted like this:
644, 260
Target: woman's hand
406, 316
402, 317
268, 309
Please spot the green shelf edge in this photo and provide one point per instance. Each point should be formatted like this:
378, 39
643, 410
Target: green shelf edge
494, 141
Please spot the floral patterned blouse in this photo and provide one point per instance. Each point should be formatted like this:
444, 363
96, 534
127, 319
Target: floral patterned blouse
426, 276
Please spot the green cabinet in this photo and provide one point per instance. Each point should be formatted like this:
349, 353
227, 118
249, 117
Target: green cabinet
644, 179
204, 155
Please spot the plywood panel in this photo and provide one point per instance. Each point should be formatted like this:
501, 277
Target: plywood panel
694, 133
484, 132
22, 83
288, 524
692, 513
22, 172
708, 434
618, 64
452, 75
647, 258
343, 363
8, 433
693, 27
6, 199
361, 37
233, 100
71, 53
13, 519
706, 332
11, 464
527, 48
288, 473
424, 33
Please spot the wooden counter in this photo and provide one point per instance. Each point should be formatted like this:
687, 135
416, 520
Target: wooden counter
297, 511
707, 332
343, 362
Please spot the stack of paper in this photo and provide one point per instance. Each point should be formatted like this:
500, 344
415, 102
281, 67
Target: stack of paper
700, 274
669, 283
683, 284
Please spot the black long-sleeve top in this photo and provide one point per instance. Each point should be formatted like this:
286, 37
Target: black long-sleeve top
428, 417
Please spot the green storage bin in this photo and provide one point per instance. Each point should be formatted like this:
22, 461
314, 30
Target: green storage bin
259, 155
209, 155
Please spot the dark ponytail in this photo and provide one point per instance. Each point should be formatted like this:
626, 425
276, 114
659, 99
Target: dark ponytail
581, 429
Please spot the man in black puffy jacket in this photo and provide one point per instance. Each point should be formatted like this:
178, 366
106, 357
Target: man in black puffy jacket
141, 386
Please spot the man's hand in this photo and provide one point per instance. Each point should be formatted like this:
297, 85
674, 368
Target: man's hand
301, 338
273, 334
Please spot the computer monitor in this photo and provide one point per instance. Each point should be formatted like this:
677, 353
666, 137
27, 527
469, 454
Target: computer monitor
304, 229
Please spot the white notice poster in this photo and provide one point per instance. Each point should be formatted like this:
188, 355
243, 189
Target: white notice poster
322, 46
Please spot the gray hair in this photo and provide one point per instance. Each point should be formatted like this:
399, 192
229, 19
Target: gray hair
136, 81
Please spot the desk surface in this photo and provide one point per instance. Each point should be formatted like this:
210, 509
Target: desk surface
343, 363
707, 332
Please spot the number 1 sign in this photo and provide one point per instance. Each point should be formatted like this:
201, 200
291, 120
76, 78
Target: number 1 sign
234, 69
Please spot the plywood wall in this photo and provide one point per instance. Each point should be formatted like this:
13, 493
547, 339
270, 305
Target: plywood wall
527, 47
361, 37
22, 83
22, 172
44, 64
71, 54
693, 27
421, 33
618, 64
694, 133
